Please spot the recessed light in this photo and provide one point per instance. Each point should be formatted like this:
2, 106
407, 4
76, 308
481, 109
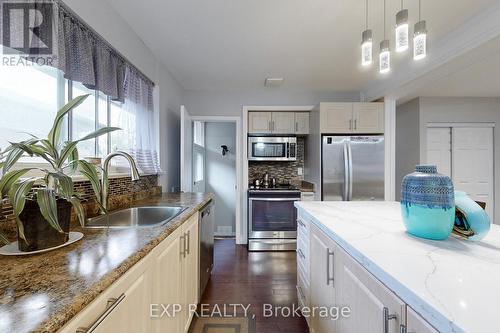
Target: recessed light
274, 81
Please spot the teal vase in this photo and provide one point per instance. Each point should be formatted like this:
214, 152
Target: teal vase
471, 221
428, 203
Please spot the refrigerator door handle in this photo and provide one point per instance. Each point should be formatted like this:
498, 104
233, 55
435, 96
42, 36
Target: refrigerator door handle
345, 194
349, 170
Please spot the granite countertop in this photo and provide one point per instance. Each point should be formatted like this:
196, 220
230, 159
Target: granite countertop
43, 292
453, 284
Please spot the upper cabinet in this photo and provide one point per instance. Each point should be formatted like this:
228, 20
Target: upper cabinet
260, 122
346, 118
264, 122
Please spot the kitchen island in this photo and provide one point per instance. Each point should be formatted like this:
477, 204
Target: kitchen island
454, 285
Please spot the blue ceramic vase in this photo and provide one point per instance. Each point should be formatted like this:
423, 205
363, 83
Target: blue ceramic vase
471, 221
428, 203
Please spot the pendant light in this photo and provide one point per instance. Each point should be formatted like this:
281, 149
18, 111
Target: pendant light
419, 37
366, 43
385, 53
402, 29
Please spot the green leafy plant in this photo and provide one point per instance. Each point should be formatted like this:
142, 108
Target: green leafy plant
56, 182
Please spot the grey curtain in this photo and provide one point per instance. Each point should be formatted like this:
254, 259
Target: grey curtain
86, 57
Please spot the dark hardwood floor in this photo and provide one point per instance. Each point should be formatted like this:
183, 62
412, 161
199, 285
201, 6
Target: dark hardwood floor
255, 278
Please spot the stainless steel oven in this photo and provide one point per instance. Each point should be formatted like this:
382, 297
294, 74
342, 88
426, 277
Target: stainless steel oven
272, 148
272, 220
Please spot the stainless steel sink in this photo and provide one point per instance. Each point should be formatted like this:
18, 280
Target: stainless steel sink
136, 217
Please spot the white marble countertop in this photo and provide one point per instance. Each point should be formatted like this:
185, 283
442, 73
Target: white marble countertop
453, 284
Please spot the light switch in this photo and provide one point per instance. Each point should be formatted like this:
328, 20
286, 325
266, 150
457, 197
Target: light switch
300, 171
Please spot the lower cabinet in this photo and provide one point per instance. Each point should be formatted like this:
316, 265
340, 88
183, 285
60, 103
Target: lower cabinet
337, 280
155, 295
323, 285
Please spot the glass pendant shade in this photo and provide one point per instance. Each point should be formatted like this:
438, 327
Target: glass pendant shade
402, 39
384, 57
366, 48
420, 41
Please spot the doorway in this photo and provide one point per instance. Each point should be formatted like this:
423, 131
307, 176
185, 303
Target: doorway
465, 153
210, 155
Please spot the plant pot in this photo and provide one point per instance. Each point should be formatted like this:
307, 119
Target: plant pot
39, 233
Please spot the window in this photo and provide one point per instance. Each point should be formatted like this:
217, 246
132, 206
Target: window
39, 92
36, 90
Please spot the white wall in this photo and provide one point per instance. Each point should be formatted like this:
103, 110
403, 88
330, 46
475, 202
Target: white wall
229, 103
220, 172
112, 27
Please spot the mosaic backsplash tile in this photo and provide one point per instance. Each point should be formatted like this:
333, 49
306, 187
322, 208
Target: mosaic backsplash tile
284, 172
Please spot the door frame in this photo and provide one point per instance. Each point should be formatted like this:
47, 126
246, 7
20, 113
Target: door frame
239, 158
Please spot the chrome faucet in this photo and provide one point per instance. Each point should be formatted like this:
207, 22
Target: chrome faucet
105, 166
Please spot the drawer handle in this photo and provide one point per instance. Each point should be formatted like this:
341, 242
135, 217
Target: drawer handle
386, 318
188, 241
301, 292
183, 245
112, 304
299, 221
328, 278
301, 254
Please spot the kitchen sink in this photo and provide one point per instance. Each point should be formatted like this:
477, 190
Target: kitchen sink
135, 217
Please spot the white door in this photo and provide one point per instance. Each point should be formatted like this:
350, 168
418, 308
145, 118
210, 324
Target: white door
368, 118
473, 163
302, 123
439, 148
259, 122
186, 150
322, 279
283, 122
336, 118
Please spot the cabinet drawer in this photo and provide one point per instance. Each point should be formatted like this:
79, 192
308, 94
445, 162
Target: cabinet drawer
303, 288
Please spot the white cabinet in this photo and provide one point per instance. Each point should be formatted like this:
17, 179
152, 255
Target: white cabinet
368, 117
283, 122
190, 269
259, 122
167, 275
372, 305
335, 117
302, 123
123, 307
266, 122
346, 118
417, 324
323, 279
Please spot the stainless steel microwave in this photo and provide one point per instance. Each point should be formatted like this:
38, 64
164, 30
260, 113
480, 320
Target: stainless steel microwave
272, 148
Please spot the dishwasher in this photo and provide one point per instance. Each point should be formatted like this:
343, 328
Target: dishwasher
206, 229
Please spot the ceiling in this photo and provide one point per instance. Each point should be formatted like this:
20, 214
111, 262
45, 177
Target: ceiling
314, 45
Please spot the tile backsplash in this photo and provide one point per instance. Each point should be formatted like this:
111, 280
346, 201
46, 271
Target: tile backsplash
284, 172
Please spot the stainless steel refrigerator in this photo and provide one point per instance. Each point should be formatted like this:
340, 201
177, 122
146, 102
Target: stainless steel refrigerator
352, 168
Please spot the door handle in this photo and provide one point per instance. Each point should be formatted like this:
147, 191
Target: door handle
386, 318
349, 166
355, 124
112, 304
296, 126
350, 124
346, 173
328, 278
188, 241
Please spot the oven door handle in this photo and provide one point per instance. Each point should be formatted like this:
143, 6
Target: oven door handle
275, 199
